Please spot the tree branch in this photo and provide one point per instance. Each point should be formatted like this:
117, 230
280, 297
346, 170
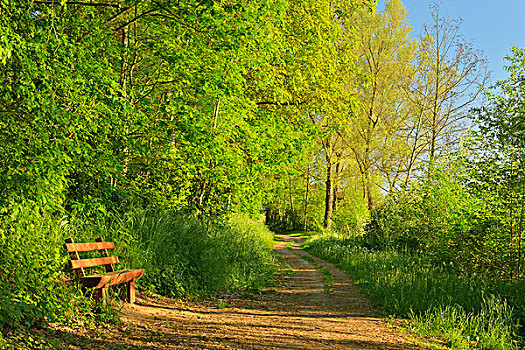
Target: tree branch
81, 3
112, 18
176, 15
134, 20
279, 103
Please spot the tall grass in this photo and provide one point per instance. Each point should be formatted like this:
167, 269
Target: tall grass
467, 312
182, 256
186, 256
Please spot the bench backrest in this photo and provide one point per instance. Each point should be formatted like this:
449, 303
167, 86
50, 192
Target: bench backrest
78, 264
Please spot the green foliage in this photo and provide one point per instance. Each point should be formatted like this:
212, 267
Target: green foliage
62, 115
424, 215
182, 256
102, 110
186, 256
351, 215
33, 283
461, 309
465, 212
502, 119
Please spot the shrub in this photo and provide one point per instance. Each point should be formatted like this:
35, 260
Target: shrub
183, 256
32, 271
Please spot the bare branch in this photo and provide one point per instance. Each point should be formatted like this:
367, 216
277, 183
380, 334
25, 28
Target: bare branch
279, 103
122, 26
112, 18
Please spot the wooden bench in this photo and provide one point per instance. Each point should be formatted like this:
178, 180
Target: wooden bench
99, 283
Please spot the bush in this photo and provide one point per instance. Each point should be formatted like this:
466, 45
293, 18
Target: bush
32, 271
442, 216
183, 256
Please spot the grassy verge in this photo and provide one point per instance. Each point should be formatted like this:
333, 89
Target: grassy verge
189, 257
182, 256
466, 312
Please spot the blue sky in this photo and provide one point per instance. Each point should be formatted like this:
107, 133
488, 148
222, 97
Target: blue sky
491, 26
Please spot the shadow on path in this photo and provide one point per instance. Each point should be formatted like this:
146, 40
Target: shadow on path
298, 314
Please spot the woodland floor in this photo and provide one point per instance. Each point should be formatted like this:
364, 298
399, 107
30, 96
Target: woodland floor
297, 314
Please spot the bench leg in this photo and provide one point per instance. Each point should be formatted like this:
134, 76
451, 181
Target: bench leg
105, 295
101, 295
130, 291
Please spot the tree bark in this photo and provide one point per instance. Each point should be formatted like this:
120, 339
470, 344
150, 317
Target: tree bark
329, 196
292, 208
337, 183
369, 197
306, 200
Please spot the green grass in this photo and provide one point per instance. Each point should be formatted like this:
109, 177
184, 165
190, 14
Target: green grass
182, 256
490, 328
278, 239
300, 234
328, 280
190, 257
466, 312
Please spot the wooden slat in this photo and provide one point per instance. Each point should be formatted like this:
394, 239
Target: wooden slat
83, 263
111, 278
86, 247
104, 253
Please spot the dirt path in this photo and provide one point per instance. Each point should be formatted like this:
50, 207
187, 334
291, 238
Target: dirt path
297, 315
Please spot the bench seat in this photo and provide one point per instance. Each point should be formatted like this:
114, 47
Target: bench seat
111, 278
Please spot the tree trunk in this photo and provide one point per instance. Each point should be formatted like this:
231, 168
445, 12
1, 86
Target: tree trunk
306, 200
337, 183
329, 197
367, 185
369, 197
123, 75
292, 208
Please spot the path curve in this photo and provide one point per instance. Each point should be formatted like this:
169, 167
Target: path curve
299, 314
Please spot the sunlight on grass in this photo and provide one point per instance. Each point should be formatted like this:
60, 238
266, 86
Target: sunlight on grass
466, 312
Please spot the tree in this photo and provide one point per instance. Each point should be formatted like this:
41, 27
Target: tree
502, 119
315, 78
332, 70
385, 51
450, 76
188, 105
499, 169
61, 117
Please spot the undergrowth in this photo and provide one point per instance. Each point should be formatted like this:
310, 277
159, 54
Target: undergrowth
182, 256
466, 312
188, 257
